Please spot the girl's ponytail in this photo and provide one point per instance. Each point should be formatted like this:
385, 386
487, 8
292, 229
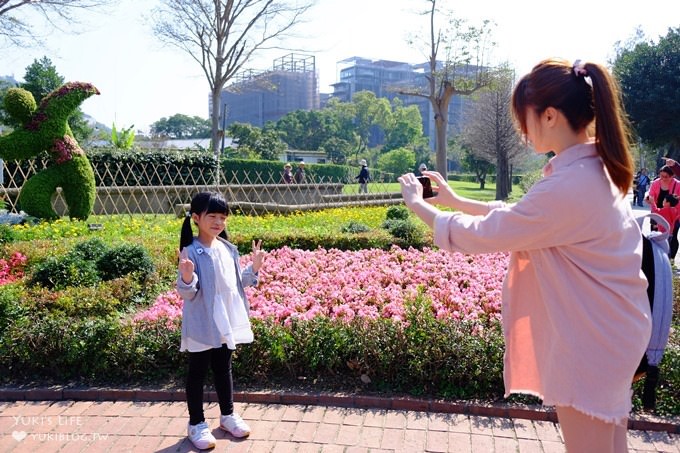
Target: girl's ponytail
187, 235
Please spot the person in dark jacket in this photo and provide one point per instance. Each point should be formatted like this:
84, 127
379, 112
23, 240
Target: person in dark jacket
300, 177
363, 177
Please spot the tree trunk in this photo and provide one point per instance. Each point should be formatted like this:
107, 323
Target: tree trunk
502, 177
441, 121
215, 123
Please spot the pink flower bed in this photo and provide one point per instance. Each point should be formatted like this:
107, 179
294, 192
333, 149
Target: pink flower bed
368, 283
13, 268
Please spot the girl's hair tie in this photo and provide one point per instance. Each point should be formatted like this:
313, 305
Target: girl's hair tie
579, 69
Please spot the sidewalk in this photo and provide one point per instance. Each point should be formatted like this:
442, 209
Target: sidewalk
160, 426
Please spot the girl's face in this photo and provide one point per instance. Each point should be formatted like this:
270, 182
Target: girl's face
535, 133
210, 225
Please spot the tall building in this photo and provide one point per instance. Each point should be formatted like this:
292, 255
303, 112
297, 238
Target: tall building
258, 97
386, 78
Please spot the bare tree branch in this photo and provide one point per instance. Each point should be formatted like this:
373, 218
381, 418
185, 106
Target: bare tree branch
223, 35
17, 30
462, 70
491, 134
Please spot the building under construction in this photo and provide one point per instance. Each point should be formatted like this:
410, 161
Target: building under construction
258, 97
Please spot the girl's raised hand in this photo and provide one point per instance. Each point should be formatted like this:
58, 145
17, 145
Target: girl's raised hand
186, 266
445, 194
258, 255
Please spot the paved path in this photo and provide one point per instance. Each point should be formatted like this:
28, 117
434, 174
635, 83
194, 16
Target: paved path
126, 426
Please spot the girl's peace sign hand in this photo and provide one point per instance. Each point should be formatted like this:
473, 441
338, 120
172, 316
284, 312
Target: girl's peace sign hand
258, 255
186, 266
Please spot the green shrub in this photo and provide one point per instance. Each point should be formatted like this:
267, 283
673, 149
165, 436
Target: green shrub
69, 270
91, 249
125, 259
406, 230
93, 350
397, 212
529, 180
355, 227
10, 308
7, 234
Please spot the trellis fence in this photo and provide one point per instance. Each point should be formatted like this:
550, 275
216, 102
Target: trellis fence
142, 188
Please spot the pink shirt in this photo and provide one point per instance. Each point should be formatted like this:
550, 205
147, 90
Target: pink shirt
576, 317
655, 190
670, 213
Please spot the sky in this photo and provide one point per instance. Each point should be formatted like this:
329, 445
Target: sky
141, 80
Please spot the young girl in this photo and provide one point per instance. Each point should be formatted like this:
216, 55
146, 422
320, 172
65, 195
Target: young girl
215, 314
668, 211
576, 317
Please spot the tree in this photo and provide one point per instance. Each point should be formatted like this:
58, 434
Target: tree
491, 134
15, 29
182, 126
307, 129
371, 113
405, 127
649, 75
480, 167
42, 78
222, 35
255, 143
462, 71
398, 161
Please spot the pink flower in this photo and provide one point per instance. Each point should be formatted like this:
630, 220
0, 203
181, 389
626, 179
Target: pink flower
343, 285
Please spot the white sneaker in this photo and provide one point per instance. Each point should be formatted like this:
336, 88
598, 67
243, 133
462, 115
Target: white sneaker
200, 436
234, 425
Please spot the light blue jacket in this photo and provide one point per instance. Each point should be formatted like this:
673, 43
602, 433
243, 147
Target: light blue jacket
199, 296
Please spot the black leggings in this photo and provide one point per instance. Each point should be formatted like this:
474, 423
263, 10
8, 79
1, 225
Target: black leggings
219, 359
673, 240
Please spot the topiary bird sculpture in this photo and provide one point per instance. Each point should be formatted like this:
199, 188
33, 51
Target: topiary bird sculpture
44, 128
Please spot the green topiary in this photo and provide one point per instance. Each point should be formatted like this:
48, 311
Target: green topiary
123, 260
19, 105
45, 129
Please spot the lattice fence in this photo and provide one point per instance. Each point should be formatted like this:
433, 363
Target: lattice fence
140, 188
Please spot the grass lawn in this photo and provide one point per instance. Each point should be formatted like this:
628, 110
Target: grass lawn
464, 188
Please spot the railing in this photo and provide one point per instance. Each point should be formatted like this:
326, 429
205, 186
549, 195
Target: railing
254, 193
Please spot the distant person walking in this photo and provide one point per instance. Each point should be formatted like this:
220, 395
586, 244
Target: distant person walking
288, 174
642, 185
300, 177
363, 177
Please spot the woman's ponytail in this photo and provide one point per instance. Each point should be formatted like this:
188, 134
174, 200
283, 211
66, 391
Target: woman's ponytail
612, 132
